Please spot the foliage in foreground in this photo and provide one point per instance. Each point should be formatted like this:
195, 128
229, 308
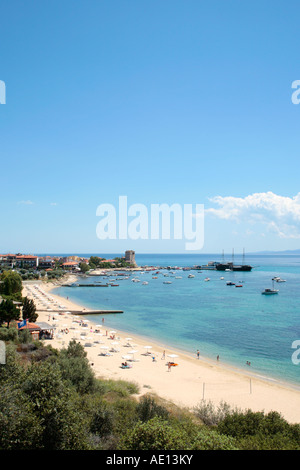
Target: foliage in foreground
51, 400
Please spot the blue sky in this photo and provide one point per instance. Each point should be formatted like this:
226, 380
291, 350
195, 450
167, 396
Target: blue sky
164, 102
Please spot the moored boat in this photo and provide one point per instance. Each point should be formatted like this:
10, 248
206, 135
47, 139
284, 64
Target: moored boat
270, 291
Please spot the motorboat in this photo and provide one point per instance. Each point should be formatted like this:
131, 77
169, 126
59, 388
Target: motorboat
167, 282
278, 279
229, 283
207, 279
191, 275
270, 291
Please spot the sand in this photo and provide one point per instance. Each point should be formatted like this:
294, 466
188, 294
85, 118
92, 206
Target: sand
185, 384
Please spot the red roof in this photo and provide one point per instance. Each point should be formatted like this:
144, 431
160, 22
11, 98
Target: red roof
30, 326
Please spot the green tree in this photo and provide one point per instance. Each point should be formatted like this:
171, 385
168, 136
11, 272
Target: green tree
13, 370
95, 261
57, 407
29, 310
84, 267
75, 368
11, 283
20, 428
8, 312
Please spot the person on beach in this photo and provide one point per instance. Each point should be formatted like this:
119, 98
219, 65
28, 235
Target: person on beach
198, 353
163, 355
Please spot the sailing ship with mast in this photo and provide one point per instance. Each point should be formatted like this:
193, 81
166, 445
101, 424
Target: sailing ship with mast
230, 266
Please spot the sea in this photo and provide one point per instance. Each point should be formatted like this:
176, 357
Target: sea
239, 325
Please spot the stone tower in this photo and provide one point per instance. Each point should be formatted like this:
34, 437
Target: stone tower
130, 257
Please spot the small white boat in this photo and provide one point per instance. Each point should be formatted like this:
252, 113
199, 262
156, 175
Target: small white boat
144, 283
191, 275
178, 277
270, 291
207, 279
222, 278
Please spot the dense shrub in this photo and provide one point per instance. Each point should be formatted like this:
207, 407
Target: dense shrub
8, 334
210, 414
148, 409
155, 434
209, 439
51, 400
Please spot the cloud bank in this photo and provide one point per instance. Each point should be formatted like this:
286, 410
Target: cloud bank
280, 214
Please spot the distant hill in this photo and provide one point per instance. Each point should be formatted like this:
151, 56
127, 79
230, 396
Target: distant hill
284, 252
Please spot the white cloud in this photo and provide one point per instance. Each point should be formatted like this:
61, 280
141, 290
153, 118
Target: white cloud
28, 203
281, 214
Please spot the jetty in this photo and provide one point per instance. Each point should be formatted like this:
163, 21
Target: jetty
95, 312
83, 311
86, 285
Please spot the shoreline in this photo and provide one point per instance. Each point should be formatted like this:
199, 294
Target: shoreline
186, 384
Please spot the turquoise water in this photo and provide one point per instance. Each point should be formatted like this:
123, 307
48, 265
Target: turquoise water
238, 324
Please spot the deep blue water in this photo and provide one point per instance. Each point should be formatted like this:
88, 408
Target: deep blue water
238, 324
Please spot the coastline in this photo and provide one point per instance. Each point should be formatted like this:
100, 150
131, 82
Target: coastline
186, 384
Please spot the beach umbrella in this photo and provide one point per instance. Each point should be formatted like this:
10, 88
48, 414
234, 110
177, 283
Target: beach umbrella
133, 351
172, 355
148, 347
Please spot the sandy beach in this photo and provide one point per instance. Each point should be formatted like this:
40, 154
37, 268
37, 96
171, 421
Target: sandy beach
185, 384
